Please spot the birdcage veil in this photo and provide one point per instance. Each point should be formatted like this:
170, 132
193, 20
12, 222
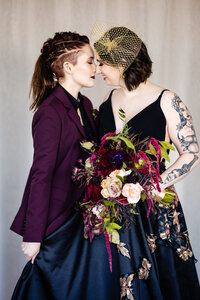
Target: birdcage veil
116, 45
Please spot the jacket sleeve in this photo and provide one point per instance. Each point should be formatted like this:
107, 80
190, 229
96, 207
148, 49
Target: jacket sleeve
46, 129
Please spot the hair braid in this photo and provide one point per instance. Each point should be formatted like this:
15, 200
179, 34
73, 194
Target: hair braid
64, 46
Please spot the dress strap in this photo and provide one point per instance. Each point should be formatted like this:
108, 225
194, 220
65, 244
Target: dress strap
160, 96
110, 95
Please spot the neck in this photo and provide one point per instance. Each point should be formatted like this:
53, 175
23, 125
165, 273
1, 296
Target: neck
139, 89
70, 87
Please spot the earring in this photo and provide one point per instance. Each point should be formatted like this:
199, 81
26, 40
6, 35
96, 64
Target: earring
123, 75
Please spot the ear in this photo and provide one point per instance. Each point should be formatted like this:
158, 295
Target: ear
67, 66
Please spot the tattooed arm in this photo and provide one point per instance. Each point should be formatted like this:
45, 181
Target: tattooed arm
182, 134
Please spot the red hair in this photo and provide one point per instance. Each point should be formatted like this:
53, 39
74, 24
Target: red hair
64, 46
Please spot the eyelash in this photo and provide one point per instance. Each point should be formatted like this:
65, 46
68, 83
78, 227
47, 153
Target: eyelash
100, 64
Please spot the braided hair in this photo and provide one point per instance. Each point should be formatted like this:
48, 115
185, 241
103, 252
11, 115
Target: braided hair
64, 46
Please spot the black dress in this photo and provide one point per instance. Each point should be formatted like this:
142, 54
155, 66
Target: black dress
161, 264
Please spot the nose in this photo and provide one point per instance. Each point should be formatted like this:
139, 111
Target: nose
98, 69
94, 68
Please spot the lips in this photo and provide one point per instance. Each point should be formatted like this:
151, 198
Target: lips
93, 77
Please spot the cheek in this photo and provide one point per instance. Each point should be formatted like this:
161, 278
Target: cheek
113, 73
82, 72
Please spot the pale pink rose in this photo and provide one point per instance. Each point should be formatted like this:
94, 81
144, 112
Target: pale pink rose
120, 173
114, 188
132, 192
105, 193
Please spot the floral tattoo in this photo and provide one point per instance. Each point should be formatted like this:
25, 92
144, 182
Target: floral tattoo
187, 138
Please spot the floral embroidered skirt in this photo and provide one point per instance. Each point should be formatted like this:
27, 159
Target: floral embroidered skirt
154, 261
161, 264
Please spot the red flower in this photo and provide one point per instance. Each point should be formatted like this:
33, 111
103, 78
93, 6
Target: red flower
93, 192
103, 139
122, 199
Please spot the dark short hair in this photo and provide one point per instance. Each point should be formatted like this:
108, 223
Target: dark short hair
140, 69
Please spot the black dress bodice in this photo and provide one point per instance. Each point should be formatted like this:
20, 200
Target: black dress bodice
149, 122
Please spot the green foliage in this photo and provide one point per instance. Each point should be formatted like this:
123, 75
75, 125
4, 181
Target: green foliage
87, 145
122, 179
124, 165
166, 145
141, 162
143, 196
128, 143
164, 154
168, 198
137, 166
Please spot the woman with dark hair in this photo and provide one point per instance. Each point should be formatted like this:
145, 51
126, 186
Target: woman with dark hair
161, 264
61, 263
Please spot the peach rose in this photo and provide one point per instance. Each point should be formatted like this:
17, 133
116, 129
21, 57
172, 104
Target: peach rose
120, 173
132, 192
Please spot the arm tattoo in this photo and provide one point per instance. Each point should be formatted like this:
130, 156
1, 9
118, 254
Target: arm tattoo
188, 141
179, 172
187, 138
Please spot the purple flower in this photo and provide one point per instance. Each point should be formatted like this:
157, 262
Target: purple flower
118, 158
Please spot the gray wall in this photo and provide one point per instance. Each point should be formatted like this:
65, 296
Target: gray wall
170, 28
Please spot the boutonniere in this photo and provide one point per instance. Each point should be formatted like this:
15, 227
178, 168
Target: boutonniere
95, 113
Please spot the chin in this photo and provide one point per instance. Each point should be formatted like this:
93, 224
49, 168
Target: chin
89, 85
110, 82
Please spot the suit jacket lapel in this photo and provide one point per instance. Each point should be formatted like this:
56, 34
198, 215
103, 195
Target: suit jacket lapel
60, 94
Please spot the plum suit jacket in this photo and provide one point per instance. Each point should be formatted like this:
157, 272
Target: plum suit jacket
50, 192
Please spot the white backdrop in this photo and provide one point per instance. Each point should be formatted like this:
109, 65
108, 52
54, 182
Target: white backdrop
171, 30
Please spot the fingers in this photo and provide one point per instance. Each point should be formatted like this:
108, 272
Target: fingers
28, 258
30, 250
33, 258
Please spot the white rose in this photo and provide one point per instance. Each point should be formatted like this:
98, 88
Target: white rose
88, 164
105, 182
105, 193
132, 192
97, 209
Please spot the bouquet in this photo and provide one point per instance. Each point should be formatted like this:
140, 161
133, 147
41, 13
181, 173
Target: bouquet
117, 175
